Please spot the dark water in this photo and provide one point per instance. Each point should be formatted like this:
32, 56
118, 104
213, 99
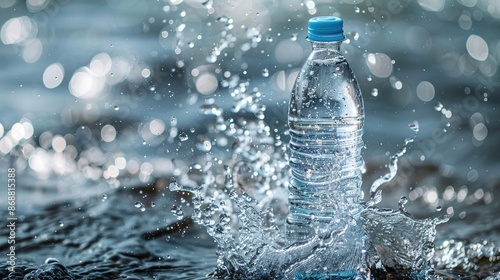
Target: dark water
95, 148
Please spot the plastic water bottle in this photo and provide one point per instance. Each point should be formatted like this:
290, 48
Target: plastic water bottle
325, 118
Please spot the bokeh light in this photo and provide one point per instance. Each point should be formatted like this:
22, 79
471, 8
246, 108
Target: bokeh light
36, 5
425, 91
108, 133
432, 5
380, 64
85, 85
100, 64
206, 83
157, 126
18, 30
477, 47
53, 75
32, 51
58, 143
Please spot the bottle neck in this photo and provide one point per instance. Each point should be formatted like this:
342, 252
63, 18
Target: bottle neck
326, 50
331, 46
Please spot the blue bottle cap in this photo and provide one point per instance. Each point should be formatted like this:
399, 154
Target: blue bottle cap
325, 29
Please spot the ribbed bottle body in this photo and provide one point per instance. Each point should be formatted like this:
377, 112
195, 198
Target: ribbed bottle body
326, 118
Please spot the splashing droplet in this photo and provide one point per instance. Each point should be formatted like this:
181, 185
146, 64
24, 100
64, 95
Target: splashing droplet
414, 126
212, 58
265, 73
203, 144
438, 107
173, 186
211, 109
183, 136
208, 4
177, 211
402, 201
393, 168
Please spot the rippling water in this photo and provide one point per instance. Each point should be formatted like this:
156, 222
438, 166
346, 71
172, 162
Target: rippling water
108, 107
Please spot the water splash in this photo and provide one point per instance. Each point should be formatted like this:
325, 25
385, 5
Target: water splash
453, 254
393, 168
404, 246
240, 196
249, 171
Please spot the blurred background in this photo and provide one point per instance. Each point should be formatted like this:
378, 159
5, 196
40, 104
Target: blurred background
100, 102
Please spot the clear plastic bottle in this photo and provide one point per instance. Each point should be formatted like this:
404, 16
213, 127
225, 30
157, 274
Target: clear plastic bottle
325, 118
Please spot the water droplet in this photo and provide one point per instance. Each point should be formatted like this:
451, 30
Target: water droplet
369, 78
309, 173
402, 201
414, 126
211, 109
137, 204
439, 208
294, 37
191, 44
269, 39
173, 186
61, 223
192, 130
183, 136
374, 92
51, 260
208, 4
223, 19
104, 197
117, 108
438, 106
337, 72
265, 73
212, 58
356, 10
177, 211
203, 144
